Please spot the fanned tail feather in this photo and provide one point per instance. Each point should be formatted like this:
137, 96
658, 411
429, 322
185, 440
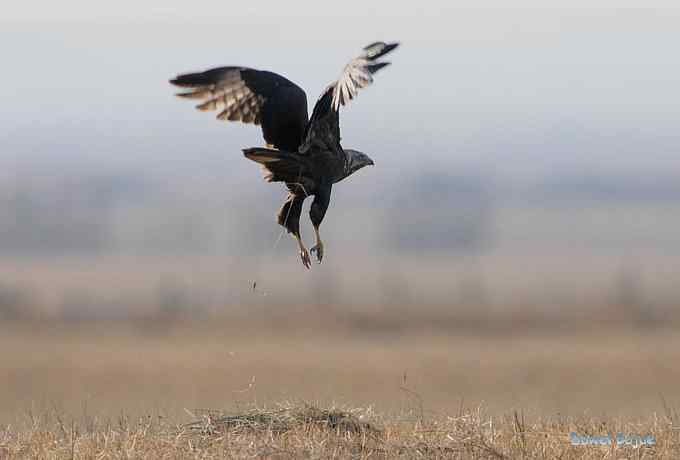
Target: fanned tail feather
277, 165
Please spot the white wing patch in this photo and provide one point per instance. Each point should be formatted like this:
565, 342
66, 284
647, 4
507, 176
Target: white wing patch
358, 73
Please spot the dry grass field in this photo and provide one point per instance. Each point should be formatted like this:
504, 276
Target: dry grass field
305, 388
304, 431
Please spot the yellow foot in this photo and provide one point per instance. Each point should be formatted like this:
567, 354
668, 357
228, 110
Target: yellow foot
318, 251
304, 255
318, 248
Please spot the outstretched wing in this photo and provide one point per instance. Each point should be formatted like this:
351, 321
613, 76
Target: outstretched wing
251, 96
358, 73
324, 125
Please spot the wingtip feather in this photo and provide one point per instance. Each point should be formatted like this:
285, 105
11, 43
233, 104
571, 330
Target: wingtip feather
178, 81
377, 50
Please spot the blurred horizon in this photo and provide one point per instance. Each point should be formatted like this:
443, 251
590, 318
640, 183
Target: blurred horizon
522, 156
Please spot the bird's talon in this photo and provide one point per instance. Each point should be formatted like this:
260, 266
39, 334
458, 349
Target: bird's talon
318, 252
306, 260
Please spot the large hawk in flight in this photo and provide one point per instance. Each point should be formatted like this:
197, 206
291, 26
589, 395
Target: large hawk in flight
304, 153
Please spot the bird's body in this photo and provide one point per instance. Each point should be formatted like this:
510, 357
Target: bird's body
304, 154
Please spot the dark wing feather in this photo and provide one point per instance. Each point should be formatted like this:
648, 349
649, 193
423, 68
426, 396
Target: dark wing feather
323, 128
251, 96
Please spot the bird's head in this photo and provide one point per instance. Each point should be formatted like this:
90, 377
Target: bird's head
356, 160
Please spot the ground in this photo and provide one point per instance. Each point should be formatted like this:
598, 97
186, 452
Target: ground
305, 431
297, 390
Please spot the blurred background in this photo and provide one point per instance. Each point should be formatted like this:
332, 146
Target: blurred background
525, 200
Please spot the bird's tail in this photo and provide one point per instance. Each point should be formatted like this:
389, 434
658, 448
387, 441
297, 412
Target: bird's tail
277, 165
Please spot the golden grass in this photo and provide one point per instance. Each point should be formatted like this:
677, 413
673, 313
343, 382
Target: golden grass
161, 368
306, 431
385, 395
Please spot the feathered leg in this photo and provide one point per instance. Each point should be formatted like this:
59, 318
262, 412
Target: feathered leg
289, 217
316, 213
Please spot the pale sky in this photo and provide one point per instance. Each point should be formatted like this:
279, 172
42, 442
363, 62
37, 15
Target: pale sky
518, 90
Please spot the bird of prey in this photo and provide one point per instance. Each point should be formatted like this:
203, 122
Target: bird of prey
303, 153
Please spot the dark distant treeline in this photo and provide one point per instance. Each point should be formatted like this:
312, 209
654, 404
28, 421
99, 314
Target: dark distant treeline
425, 211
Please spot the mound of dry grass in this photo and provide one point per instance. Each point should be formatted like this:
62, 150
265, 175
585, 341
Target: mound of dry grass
287, 417
305, 431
